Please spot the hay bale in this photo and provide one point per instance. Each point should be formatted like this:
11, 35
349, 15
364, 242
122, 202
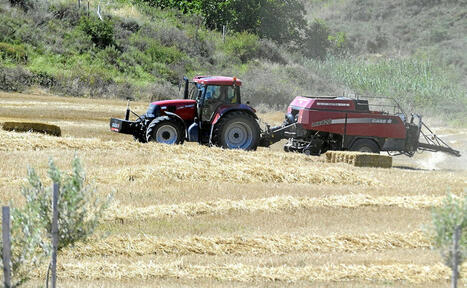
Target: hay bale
359, 159
32, 127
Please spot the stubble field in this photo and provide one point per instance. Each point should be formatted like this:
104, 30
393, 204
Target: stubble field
190, 215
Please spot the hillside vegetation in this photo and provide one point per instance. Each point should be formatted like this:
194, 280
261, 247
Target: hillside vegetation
410, 50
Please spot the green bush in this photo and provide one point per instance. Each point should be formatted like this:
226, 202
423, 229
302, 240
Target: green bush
28, 249
339, 44
14, 53
80, 209
317, 40
241, 45
23, 4
9, 25
451, 214
101, 32
278, 20
15, 78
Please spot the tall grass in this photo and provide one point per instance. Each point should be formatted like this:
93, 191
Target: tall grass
418, 84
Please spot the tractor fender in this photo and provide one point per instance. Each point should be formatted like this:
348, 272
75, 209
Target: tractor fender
241, 107
179, 119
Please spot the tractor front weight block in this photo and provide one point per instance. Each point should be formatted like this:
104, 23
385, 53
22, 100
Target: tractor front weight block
121, 126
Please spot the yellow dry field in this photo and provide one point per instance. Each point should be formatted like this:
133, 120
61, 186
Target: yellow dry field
194, 216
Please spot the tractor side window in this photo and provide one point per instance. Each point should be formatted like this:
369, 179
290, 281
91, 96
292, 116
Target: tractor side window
234, 95
193, 93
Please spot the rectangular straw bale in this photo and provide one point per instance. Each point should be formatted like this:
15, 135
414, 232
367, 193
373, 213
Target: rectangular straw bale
33, 127
359, 159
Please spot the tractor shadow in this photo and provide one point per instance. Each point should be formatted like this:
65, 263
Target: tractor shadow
402, 167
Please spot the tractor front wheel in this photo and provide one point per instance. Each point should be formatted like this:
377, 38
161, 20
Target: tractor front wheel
237, 130
165, 130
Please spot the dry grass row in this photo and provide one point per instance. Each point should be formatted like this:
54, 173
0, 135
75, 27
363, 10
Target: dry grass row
195, 162
280, 244
359, 159
249, 273
270, 204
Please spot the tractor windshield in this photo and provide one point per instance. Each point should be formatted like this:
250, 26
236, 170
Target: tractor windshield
223, 94
216, 96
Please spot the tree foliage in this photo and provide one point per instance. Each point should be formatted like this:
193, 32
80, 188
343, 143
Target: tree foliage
279, 20
317, 40
79, 208
28, 248
23, 4
451, 214
101, 32
79, 213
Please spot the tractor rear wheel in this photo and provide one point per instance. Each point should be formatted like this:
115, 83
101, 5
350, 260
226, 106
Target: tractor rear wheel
164, 129
365, 145
237, 130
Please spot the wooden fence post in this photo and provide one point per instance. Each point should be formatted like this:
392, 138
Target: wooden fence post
54, 233
6, 246
455, 256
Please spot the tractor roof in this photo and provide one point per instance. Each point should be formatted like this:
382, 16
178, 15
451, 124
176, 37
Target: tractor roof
217, 80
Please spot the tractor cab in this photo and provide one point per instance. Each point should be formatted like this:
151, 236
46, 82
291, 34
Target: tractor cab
212, 94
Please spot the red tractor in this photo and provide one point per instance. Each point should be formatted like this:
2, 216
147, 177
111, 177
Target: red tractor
210, 113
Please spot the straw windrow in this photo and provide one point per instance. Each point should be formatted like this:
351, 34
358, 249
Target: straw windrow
248, 273
270, 204
241, 245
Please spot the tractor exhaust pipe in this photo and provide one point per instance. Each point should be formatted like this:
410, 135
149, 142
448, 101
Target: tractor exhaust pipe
185, 93
127, 114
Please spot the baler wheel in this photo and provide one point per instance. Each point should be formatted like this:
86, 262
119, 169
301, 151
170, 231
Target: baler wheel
365, 145
164, 129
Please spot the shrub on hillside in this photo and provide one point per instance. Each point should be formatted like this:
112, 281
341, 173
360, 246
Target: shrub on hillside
15, 78
269, 50
13, 53
83, 82
76, 41
277, 84
9, 26
162, 90
316, 42
101, 32
278, 20
241, 45
23, 4
340, 45
66, 12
